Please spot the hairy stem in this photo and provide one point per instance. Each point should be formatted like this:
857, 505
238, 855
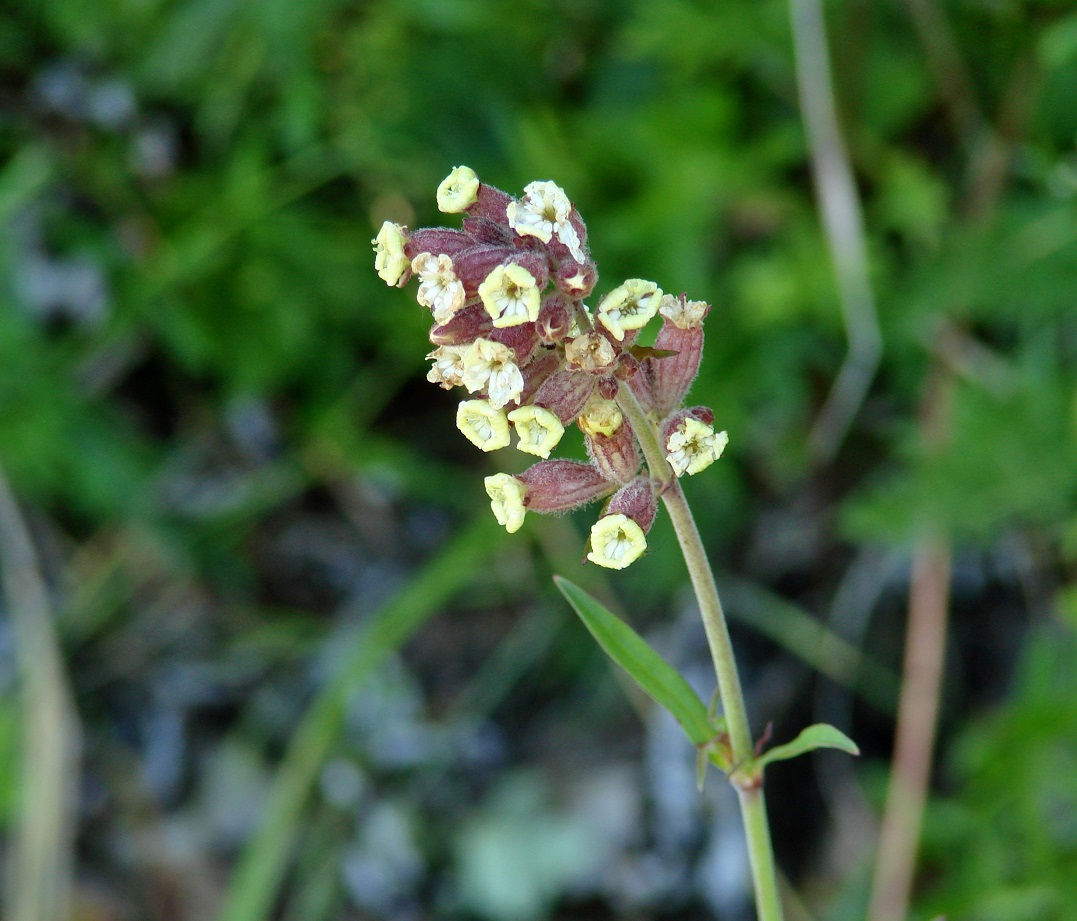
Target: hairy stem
752, 804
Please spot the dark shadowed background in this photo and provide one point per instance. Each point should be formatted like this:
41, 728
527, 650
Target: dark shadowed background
259, 623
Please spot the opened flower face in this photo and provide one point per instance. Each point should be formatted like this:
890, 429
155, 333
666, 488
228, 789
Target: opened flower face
693, 446
491, 366
439, 288
458, 191
539, 430
629, 306
484, 425
507, 296
544, 213
616, 542
511, 296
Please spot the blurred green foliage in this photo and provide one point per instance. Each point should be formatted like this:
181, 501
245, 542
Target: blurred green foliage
193, 341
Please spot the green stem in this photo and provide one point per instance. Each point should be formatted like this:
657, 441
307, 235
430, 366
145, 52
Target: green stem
752, 805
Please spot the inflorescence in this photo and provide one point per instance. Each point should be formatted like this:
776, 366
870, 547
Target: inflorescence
506, 293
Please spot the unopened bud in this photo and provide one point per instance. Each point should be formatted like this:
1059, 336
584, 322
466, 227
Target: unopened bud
490, 203
576, 279
616, 455
636, 500
441, 241
464, 327
536, 372
682, 333
561, 485
565, 393
523, 339
554, 319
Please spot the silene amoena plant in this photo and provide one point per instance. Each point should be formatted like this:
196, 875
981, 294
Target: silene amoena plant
507, 293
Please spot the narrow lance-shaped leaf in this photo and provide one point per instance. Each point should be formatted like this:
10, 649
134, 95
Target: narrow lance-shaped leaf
819, 735
646, 667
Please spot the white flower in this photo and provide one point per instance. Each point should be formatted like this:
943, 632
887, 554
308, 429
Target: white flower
485, 426
448, 369
439, 288
507, 495
600, 417
629, 306
492, 365
616, 542
458, 191
589, 352
683, 313
694, 446
510, 295
543, 213
389, 258
539, 430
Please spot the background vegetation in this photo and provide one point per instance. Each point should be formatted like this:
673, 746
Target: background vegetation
311, 679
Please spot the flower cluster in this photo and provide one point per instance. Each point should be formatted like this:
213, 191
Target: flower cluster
506, 293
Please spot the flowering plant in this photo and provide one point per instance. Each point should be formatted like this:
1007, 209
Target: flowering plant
506, 292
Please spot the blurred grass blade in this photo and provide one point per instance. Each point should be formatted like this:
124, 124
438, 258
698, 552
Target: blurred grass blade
40, 856
646, 667
819, 735
257, 878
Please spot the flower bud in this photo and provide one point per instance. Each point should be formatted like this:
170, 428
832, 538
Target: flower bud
441, 241
565, 393
681, 332
576, 279
483, 230
636, 500
554, 319
640, 384
490, 204
523, 339
464, 327
616, 455
608, 386
561, 485
536, 372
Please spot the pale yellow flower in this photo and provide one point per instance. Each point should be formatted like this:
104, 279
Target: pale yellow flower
616, 542
491, 365
629, 306
543, 213
448, 369
510, 295
539, 430
507, 500
485, 426
458, 191
600, 417
693, 446
389, 258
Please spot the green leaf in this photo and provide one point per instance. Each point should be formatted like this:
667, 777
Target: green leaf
646, 667
820, 735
